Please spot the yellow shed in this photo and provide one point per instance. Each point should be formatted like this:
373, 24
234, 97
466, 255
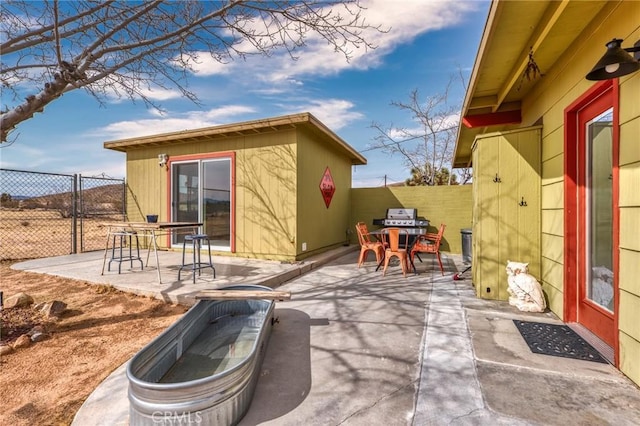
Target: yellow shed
554, 141
277, 188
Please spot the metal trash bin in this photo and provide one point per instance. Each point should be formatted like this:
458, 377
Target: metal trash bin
466, 244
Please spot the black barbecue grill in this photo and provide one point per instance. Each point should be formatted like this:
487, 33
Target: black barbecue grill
407, 218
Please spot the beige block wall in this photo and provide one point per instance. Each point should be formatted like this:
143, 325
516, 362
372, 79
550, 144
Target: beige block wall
450, 205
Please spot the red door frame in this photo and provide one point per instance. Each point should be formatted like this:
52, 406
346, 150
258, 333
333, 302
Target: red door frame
206, 156
607, 92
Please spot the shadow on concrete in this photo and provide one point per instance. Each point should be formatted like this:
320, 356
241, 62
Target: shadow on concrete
285, 376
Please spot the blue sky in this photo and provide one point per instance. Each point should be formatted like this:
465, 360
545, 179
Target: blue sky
428, 42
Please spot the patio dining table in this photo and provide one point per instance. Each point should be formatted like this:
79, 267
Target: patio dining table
149, 230
413, 233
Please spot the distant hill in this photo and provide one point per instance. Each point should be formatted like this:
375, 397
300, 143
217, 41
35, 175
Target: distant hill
105, 198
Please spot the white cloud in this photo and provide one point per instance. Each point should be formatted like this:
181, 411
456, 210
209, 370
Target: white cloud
404, 20
160, 94
445, 123
171, 122
204, 65
451, 120
116, 93
334, 113
226, 112
37, 158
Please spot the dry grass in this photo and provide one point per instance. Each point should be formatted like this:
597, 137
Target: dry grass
46, 383
30, 234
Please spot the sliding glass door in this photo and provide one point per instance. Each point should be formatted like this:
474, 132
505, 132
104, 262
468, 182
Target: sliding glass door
216, 201
201, 192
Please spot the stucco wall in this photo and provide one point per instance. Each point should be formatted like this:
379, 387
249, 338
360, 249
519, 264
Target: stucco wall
450, 205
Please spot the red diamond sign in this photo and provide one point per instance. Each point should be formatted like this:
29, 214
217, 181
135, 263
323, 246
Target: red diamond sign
327, 187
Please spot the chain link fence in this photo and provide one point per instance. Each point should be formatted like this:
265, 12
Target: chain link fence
49, 214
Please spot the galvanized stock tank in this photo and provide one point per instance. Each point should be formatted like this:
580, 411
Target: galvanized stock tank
203, 369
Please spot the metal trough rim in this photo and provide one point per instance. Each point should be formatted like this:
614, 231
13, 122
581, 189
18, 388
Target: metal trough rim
222, 394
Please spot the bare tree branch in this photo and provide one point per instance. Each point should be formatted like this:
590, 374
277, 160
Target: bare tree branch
31, 38
426, 148
122, 47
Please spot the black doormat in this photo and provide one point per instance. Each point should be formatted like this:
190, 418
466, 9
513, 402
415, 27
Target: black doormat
557, 340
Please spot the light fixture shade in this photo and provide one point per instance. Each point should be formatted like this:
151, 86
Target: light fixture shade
616, 62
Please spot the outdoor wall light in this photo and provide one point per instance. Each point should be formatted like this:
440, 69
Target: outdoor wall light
616, 62
162, 160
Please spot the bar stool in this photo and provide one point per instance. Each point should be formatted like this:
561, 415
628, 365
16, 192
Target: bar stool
196, 241
125, 238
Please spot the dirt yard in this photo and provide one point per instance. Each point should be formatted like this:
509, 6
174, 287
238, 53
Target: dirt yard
47, 382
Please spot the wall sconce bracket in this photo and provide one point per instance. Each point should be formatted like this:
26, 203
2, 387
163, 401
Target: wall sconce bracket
616, 62
163, 159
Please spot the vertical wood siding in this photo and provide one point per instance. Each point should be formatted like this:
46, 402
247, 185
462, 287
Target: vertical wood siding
319, 226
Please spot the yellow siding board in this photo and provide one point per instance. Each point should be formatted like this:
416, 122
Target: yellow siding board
552, 284
630, 228
553, 247
552, 103
629, 356
553, 222
630, 185
628, 315
552, 144
555, 300
630, 271
553, 274
629, 94
553, 196
630, 142
547, 106
553, 170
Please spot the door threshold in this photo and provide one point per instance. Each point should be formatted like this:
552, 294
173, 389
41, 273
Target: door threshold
598, 344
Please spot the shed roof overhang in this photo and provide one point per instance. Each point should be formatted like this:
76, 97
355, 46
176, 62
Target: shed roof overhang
246, 128
502, 75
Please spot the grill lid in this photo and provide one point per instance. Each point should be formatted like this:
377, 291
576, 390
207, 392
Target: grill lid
402, 214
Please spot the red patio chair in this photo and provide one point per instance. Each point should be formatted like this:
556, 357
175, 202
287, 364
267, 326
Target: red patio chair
368, 243
396, 241
429, 243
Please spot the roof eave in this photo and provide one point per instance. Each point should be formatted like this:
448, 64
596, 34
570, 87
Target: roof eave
252, 127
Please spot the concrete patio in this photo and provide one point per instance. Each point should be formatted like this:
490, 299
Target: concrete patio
354, 347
